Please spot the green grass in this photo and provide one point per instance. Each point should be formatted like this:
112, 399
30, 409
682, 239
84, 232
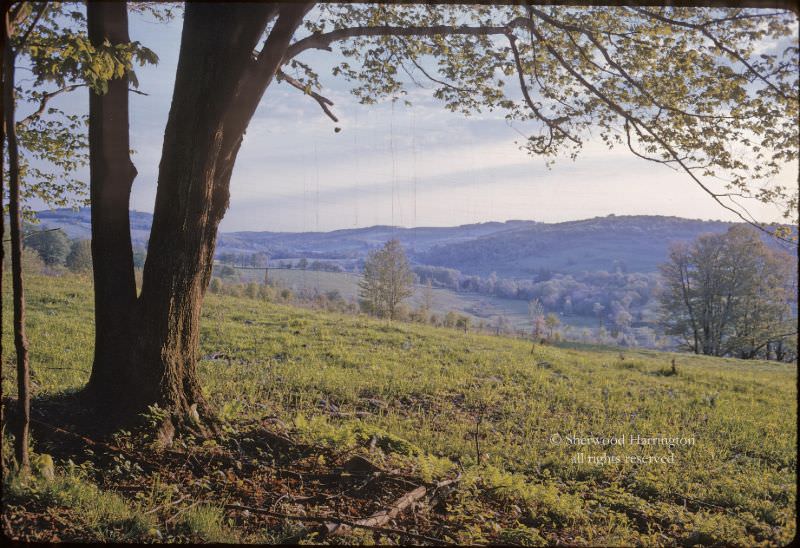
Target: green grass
429, 390
101, 516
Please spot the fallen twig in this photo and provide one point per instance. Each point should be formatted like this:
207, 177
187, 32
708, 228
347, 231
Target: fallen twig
382, 517
181, 511
332, 520
166, 504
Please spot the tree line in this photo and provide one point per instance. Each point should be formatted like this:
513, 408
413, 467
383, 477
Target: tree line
53, 248
261, 259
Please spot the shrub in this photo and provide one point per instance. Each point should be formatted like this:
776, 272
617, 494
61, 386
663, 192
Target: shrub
251, 290
80, 256
53, 246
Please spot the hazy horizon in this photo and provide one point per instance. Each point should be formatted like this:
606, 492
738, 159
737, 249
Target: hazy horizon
421, 227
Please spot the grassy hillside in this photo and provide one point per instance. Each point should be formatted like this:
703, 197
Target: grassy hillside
416, 398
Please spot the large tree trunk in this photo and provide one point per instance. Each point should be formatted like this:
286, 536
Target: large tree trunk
111, 176
3, 43
218, 86
20, 340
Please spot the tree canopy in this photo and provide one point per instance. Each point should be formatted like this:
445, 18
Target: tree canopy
711, 92
80, 256
51, 43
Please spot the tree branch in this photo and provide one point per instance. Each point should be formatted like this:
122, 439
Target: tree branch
621, 72
38, 16
551, 124
34, 233
722, 47
260, 72
324, 40
408, 73
639, 154
740, 16
660, 140
43, 103
324, 102
440, 82
289, 18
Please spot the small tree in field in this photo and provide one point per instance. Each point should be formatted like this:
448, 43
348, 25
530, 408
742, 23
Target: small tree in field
216, 285
536, 314
387, 280
80, 256
552, 322
427, 296
598, 308
52, 245
501, 324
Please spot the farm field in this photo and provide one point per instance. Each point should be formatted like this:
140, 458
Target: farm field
435, 403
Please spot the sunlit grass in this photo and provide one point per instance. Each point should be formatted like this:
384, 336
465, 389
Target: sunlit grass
426, 393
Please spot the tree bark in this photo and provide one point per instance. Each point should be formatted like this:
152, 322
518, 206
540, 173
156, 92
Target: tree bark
147, 346
217, 89
3, 43
111, 178
20, 340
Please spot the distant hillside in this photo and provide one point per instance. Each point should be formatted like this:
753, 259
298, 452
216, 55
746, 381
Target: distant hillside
338, 244
514, 249
635, 243
78, 224
355, 243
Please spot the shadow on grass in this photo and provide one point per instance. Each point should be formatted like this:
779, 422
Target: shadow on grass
665, 372
64, 424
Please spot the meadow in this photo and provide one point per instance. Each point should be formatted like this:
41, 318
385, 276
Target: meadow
522, 428
479, 308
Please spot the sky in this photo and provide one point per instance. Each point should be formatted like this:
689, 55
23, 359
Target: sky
392, 164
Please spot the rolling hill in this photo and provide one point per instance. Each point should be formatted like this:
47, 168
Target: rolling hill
635, 243
513, 249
